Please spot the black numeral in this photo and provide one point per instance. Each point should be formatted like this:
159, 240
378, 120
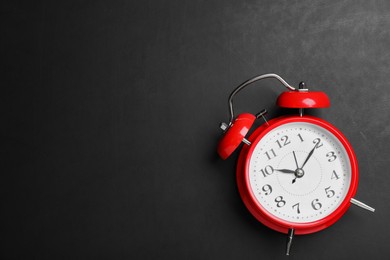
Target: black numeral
318, 143
270, 154
297, 205
267, 189
300, 137
268, 170
329, 193
334, 176
283, 141
315, 204
331, 156
280, 202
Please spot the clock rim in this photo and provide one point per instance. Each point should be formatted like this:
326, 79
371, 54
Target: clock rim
261, 213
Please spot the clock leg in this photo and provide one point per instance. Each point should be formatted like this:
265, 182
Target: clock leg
290, 237
362, 205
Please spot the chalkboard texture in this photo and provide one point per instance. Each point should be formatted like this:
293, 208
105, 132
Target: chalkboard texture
110, 113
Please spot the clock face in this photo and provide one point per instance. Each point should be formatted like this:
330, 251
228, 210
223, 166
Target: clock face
299, 172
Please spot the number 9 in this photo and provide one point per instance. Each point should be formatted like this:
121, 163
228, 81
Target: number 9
267, 189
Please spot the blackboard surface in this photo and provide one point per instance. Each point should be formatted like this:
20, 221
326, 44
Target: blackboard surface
110, 114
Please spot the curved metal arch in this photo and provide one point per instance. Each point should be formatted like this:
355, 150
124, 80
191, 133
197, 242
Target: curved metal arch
250, 81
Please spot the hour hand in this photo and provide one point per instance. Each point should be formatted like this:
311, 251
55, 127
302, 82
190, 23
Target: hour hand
285, 171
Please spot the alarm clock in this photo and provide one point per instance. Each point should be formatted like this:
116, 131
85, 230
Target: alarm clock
296, 174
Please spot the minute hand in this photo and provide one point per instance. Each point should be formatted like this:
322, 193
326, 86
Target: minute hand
309, 155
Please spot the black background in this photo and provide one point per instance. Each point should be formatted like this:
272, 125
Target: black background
110, 114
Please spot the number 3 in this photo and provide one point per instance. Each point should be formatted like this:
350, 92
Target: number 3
332, 156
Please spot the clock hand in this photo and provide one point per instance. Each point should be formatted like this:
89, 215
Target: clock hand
289, 171
310, 154
293, 181
285, 171
296, 163
295, 158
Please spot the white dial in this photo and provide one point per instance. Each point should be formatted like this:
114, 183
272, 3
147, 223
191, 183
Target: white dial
299, 172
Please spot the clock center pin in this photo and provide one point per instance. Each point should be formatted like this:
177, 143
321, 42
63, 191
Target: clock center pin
299, 173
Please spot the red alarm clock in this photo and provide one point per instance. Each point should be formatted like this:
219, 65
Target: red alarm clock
296, 174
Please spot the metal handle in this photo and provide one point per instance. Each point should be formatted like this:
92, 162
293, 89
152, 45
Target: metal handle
248, 82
